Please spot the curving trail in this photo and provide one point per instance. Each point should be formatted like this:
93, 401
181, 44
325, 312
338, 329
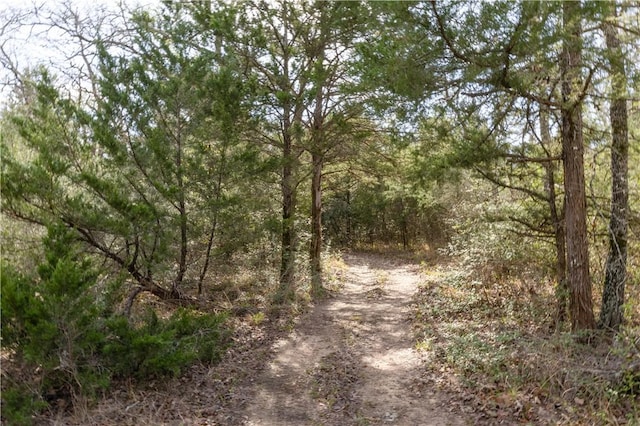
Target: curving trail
350, 361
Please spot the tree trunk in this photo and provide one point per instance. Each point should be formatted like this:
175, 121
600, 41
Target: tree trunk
130, 299
182, 263
316, 226
182, 211
207, 256
287, 264
579, 282
349, 225
616, 268
317, 160
562, 292
404, 231
212, 234
286, 291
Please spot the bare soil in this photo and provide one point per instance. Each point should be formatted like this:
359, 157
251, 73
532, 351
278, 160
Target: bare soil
350, 360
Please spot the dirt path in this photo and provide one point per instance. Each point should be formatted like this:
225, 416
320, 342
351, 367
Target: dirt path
351, 361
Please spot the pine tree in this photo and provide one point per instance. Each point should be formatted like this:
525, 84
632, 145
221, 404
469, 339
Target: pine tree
611, 316
133, 174
297, 56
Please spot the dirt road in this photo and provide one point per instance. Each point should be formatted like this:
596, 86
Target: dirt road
351, 360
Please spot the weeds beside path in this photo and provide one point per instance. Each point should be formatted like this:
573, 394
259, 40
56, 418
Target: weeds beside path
488, 344
395, 343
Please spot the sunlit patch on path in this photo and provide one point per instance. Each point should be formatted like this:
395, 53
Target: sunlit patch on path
351, 360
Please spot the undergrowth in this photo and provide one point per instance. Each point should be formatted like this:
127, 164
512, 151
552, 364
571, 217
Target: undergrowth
63, 343
492, 341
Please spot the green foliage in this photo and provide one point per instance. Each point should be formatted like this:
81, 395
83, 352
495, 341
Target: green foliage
59, 328
390, 195
19, 404
154, 162
52, 322
627, 347
472, 354
383, 212
485, 237
159, 347
41, 316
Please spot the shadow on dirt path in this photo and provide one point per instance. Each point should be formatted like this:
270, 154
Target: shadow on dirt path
350, 360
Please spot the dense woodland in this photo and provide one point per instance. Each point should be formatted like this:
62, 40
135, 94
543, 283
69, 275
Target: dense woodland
191, 164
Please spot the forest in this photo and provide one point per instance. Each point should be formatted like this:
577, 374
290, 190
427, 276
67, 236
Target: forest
265, 212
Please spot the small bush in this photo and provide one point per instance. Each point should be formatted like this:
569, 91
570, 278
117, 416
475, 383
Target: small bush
67, 344
163, 347
52, 324
19, 404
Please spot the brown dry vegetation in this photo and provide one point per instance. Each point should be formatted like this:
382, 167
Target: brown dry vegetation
488, 354
487, 338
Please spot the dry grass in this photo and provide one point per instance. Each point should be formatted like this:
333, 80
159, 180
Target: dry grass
205, 394
487, 337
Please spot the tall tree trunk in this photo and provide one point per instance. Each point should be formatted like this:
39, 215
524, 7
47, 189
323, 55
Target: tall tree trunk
557, 219
182, 211
349, 225
287, 264
182, 263
207, 256
317, 162
616, 267
404, 230
286, 289
212, 233
316, 226
579, 282
214, 224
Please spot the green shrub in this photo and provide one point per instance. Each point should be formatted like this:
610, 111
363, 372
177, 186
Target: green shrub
51, 322
19, 404
68, 344
163, 347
